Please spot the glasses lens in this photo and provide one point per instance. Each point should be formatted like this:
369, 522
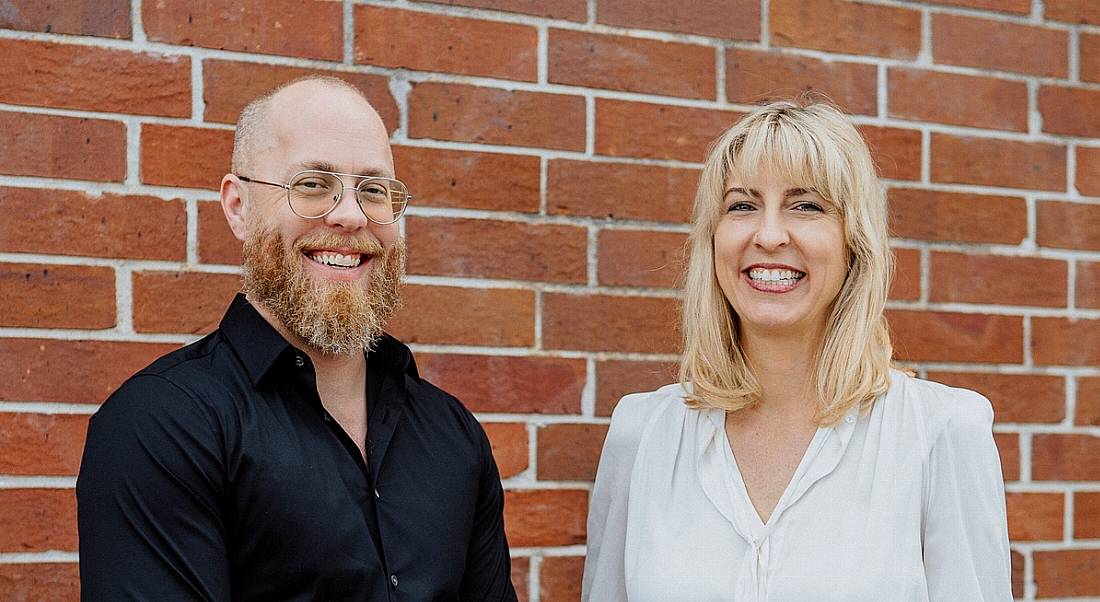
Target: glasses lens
313, 193
383, 199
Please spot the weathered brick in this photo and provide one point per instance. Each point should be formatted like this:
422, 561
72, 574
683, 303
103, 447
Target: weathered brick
974, 278
1035, 516
40, 581
1008, 446
217, 244
1086, 515
392, 37
1070, 111
466, 316
610, 323
1064, 341
185, 156
572, 10
957, 217
982, 102
956, 337
613, 190
1088, 170
1019, 7
728, 19
509, 444
754, 76
545, 517
1066, 573
521, 577
41, 444
1088, 402
1018, 568
184, 302
1065, 457
1089, 56
992, 162
101, 18
569, 452
847, 27
451, 178
999, 45
37, 520
1015, 397
1088, 284
491, 116
895, 151
499, 383
1067, 225
616, 378
57, 296
73, 148
906, 284
653, 131
640, 258
560, 578
1073, 11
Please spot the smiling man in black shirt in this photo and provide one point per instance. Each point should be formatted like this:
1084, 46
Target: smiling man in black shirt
295, 453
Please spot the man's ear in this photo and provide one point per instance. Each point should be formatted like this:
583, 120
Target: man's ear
232, 199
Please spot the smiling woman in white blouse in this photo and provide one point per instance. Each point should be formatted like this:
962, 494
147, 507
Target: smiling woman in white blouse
791, 463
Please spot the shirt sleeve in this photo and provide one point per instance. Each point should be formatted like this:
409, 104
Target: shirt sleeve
965, 531
148, 496
488, 574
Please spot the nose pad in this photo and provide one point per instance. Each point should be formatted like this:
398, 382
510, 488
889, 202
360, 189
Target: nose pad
343, 216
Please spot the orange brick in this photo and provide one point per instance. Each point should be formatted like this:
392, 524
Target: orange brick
611, 190
284, 27
616, 378
57, 296
593, 60
754, 76
69, 76
1067, 225
1017, 563
1063, 341
1058, 457
1008, 446
988, 44
1019, 7
957, 217
184, 302
560, 578
509, 443
230, 85
490, 116
1015, 397
39, 220
1088, 284
185, 156
53, 146
41, 444
895, 151
727, 19
37, 520
466, 316
955, 337
102, 18
545, 517
1086, 515
217, 244
1035, 516
444, 246
610, 323
572, 10
70, 371
1070, 111
521, 576
1065, 573
40, 581
1088, 402
450, 178
641, 258
970, 160
1073, 11
973, 278
1089, 53
982, 102
498, 383
906, 284
846, 27
653, 131
569, 452
391, 37
1088, 171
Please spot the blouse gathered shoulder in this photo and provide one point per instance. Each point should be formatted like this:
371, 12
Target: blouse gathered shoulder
905, 502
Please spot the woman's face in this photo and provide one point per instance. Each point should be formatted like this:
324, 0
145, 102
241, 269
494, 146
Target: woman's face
780, 257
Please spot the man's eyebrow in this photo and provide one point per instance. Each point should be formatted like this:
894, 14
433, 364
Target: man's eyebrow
326, 166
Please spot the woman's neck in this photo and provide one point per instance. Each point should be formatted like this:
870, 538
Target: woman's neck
784, 367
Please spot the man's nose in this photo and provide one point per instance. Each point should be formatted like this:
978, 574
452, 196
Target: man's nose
347, 215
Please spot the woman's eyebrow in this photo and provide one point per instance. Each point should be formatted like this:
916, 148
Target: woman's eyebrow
738, 190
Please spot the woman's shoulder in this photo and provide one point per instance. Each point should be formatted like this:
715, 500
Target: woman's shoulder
636, 411
937, 407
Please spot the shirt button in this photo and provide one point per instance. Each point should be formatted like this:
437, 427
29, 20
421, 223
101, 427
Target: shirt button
850, 419
377, 495
299, 361
393, 580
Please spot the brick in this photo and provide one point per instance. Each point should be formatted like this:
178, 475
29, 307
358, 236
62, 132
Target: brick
991, 162
41, 444
727, 19
616, 378
640, 258
610, 323
461, 316
1015, 397
592, 60
283, 27
1088, 402
956, 337
1088, 170
1065, 457
1019, 7
40, 581
1035, 516
443, 246
560, 578
957, 217
1065, 573
1086, 515
611, 190
57, 296
982, 102
1008, 446
47, 221
73, 148
1067, 225
521, 576
53, 370
1088, 284
545, 517
753, 76
653, 131
230, 85
102, 18
906, 284
571, 10
846, 27
217, 244
185, 156
1073, 11
569, 452
491, 116
1064, 341
507, 384
509, 443
391, 37
69, 76
471, 180
183, 302
1089, 56
895, 151
979, 278
1070, 111
37, 520
999, 45
1018, 569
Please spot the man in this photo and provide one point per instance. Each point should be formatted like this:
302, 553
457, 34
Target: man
294, 453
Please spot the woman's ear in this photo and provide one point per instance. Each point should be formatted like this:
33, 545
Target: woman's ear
233, 205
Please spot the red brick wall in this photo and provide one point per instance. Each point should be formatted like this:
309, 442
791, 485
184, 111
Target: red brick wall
553, 147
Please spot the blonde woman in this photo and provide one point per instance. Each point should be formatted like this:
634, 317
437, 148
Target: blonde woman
791, 463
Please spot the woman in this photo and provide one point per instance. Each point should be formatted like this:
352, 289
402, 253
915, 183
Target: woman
790, 462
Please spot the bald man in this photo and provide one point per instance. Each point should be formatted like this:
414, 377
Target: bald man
295, 453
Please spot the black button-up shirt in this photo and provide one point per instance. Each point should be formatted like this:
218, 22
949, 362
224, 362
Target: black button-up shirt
217, 474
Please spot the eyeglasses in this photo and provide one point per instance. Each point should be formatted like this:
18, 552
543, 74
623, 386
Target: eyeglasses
313, 194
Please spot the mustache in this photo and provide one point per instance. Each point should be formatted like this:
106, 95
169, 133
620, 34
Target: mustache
363, 245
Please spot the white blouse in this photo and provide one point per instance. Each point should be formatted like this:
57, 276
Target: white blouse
903, 503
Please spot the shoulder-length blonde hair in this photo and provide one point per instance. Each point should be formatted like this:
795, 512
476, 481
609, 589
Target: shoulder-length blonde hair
813, 146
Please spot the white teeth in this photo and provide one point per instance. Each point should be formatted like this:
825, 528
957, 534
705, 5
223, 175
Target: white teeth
777, 276
337, 259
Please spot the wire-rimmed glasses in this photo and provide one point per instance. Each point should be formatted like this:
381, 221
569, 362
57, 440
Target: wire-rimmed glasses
313, 194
